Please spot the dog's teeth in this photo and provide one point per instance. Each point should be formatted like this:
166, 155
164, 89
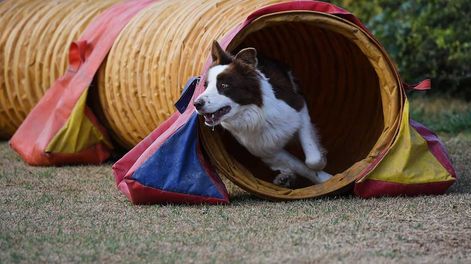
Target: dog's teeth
212, 116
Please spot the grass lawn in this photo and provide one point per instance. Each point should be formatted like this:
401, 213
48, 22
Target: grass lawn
442, 114
76, 214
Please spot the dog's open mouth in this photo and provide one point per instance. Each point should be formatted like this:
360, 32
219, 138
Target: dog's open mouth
212, 119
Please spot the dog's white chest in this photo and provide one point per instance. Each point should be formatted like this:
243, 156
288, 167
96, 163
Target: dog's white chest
265, 130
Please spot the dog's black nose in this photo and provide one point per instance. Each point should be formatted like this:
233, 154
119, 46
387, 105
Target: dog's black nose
198, 104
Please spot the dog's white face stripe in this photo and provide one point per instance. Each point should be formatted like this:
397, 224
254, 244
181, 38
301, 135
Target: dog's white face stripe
213, 73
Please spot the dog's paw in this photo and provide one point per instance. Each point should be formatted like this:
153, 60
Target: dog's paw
316, 163
285, 180
323, 176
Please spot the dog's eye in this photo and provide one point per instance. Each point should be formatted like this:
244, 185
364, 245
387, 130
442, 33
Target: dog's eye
224, 85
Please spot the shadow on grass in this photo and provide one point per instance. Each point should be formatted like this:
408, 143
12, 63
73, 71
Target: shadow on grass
463, 183
458, 148
245, 199
239, 197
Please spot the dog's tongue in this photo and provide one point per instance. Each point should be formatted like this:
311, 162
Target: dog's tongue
211, 119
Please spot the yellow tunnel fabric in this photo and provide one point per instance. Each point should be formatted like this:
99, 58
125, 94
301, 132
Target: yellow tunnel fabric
79, 133
410, 161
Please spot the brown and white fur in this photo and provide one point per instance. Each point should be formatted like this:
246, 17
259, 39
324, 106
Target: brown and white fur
257, 101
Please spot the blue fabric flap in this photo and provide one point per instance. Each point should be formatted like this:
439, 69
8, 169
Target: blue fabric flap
175, 166
187, 93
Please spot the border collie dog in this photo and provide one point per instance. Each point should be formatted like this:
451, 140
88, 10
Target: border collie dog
257, 101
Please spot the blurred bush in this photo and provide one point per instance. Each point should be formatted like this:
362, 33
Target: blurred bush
426, 38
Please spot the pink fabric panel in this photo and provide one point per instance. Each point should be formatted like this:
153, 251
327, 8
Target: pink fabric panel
374, 188
435, 146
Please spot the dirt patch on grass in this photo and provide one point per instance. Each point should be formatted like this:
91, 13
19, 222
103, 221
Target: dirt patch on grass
73, 214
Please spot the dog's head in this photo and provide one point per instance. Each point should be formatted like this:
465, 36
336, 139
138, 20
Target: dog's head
232, 83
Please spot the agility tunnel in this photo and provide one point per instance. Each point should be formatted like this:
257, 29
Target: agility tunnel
355, 96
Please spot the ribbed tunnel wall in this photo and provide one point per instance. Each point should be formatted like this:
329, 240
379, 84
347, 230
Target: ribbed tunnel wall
34, 41
155, 55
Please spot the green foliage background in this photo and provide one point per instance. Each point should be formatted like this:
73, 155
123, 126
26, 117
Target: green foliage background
426, 39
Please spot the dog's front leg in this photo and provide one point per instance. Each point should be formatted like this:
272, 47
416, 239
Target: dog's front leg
289, 165
315, 158
286, 177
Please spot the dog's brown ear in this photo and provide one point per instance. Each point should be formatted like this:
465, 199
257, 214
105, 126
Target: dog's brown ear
248, 56
219, 55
